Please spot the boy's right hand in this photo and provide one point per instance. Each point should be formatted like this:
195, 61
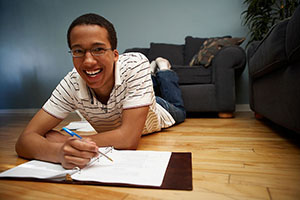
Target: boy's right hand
77, 153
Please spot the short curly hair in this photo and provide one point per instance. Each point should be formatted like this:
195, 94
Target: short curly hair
94, 19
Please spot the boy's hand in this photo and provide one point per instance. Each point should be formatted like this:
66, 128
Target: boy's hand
77, 153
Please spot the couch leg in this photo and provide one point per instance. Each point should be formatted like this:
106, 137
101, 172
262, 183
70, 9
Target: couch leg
258, 116
225, 114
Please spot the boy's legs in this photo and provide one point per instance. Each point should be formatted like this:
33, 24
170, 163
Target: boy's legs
166, 81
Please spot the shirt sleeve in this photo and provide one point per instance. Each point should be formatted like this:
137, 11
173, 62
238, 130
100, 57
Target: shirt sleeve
139, 84
61, 102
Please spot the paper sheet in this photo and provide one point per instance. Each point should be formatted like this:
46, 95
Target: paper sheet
38, 169
82, 126
131, 167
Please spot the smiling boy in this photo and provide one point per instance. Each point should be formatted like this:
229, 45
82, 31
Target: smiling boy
113, 92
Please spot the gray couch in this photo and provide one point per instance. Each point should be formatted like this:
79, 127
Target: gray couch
274, 74
204, 89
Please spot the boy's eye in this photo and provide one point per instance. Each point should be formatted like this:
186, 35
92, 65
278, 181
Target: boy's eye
78, 51
98, 50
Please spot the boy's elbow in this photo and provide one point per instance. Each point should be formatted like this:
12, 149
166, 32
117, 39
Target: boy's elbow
18, 150
20, 147
130, 145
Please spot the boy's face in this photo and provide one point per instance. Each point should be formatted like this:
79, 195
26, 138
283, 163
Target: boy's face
97, 71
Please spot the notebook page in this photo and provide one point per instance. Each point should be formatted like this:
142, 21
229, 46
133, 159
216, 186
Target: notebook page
130, 167
38, 169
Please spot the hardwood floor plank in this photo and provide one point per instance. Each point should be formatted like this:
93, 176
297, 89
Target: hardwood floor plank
268, 180
282, 194
238, 158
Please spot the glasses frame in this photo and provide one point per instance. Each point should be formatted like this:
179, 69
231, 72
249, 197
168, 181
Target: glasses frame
92, 51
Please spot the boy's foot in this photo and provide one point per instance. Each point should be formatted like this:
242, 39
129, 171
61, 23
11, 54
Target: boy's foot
153, 67
163, 64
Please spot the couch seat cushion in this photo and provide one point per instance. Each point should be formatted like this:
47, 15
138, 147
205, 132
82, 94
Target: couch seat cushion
193, 75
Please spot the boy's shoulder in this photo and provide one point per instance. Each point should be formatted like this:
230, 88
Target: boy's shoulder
132, 57
72, 75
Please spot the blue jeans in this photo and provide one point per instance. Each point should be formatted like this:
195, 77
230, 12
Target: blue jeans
168, 94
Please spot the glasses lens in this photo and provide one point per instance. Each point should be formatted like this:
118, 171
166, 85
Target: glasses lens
77, 52
98, 51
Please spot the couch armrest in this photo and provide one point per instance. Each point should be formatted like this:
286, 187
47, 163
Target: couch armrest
270, 54
251, 49
231, 57
227, 64
292, 37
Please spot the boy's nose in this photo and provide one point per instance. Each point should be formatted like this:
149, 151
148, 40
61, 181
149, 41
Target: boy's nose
89, 58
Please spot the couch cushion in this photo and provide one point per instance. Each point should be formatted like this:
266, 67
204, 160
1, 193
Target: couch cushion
171, 52
210, 48
144, 51
192, 46
192, 75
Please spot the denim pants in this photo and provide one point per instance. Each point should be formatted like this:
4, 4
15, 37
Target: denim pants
168, 94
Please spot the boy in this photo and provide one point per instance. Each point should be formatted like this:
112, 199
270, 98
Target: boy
113, 92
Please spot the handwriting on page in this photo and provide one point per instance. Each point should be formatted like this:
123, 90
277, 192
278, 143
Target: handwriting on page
134, 167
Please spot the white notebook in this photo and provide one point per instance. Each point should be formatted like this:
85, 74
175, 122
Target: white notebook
128, 167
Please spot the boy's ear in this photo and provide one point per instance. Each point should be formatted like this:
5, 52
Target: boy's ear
116, 55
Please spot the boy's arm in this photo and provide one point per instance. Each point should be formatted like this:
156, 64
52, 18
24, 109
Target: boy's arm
128, 135
32, 144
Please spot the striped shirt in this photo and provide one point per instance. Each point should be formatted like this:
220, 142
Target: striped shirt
133, 88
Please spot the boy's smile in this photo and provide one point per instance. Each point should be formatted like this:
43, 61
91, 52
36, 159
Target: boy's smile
93, 73
96, 65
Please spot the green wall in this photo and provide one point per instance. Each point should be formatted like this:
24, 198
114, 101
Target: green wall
33, 50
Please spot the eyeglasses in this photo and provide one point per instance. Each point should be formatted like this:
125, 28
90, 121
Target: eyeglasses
78, 53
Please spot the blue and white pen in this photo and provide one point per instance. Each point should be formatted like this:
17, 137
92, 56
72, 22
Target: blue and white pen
75, 134
71, 132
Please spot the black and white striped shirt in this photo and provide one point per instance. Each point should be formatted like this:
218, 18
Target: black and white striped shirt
133, 88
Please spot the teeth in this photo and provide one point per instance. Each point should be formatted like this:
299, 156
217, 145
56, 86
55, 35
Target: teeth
93, 72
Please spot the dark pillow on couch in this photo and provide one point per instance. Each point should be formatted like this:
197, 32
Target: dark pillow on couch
172, 52
144, 51
211, 47
192, 46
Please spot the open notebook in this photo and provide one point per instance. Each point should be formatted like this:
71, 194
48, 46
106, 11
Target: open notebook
147, 169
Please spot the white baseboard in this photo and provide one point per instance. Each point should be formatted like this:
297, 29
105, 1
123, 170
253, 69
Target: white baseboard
242, 107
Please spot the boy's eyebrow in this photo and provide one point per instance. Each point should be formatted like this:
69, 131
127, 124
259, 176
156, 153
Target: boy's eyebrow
75, 45
94, 44
99, 43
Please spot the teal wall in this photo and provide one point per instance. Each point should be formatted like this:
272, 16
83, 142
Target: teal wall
33, 47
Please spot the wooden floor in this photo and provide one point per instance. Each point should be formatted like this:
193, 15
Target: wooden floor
239, 158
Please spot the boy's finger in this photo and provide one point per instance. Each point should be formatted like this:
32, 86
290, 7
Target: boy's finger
83, 145
89, 140
79, 162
